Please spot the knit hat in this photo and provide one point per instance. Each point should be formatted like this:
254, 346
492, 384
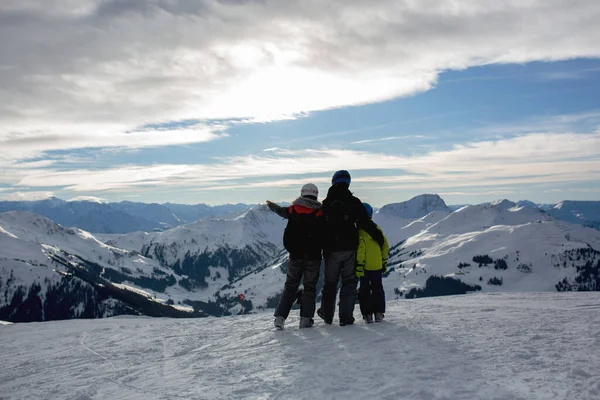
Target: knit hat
369, 209
310, 190
341, 176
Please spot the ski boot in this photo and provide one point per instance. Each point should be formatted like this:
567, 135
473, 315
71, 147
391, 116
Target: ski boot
321, 315
368, 318
279, 322
306, 322
378, 317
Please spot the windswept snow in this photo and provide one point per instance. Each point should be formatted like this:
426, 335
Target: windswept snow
505, 346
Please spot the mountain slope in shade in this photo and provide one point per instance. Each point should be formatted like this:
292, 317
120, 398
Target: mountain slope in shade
491, 347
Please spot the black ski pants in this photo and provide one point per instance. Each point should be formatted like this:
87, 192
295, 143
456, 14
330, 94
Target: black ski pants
339, 264
300, 269
371, 295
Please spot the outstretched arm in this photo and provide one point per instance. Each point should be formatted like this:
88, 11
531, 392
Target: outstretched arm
283, 212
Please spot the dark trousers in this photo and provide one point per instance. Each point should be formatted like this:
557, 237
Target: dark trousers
339, 264
299, 269
371, 295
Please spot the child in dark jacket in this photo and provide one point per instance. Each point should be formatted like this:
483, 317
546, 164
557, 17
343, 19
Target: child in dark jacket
371, 264
302, 239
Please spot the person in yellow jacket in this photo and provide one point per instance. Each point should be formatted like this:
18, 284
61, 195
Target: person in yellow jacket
371, 264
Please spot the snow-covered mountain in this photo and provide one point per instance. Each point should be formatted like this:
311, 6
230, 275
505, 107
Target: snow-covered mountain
505, 346
122, 217
415, 208
499, 246
51, 272
185, 265
526, 203
578, 212
90, 216
212, 250
518, 248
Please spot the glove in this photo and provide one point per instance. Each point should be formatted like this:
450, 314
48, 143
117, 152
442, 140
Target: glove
384, 268
360, 271
272, 206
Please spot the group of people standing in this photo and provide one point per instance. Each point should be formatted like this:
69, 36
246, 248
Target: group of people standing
339, 230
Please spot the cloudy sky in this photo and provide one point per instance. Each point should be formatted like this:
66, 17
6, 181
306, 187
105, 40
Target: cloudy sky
193, 101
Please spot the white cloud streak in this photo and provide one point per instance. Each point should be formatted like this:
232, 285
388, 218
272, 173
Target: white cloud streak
82, 73
528, 159
389, 138
26, 196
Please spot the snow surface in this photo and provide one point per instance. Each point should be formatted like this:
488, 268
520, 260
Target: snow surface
484, 346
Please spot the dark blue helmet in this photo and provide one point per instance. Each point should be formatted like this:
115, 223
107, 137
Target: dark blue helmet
369, 209
341, 176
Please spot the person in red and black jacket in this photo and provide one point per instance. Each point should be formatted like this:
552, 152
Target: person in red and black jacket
303, 240
342, 215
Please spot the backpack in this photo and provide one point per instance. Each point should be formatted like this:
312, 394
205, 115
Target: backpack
336, 214
339, 224
302, 235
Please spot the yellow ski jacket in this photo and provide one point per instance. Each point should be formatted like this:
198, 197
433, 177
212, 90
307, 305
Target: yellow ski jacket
369, 255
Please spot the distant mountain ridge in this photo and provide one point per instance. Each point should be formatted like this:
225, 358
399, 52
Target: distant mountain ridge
586, 213
122, 217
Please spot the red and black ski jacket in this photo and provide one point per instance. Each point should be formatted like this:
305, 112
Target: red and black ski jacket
302, 237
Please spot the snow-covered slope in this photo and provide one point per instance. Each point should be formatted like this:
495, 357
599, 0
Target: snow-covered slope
212, 253
45, 267
500, 247
526, 346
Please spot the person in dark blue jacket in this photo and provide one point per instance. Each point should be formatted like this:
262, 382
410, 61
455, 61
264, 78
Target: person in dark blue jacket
342, 215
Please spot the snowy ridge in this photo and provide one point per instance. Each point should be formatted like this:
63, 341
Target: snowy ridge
126, 216
578, 212
524, 346
415, 208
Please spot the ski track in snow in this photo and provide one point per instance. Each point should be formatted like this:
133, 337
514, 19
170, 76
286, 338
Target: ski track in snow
481, 346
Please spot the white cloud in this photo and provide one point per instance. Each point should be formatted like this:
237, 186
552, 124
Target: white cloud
24, 145
527, 159
82, 73
26, 196
88, 198
388, 138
